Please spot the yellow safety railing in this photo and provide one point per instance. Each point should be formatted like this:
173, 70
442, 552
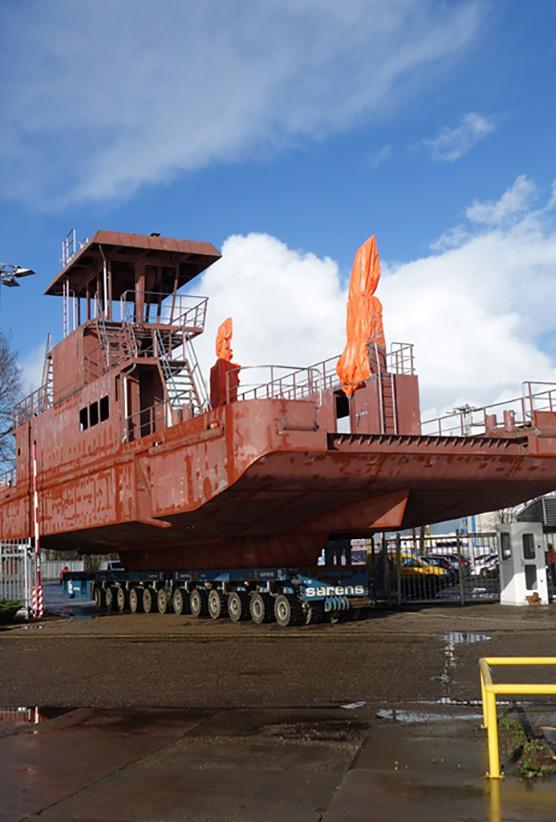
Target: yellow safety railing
490, 690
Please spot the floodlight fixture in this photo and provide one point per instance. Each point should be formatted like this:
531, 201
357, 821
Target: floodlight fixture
9, 280
20, 271
10, 274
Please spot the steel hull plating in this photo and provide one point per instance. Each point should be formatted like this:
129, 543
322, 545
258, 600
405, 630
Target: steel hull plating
260, 483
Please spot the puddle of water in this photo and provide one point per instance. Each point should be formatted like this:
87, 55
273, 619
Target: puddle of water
464, 637
417, 717
352, 706
451, 640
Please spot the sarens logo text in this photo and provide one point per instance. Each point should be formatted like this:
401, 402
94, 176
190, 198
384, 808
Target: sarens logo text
336, 591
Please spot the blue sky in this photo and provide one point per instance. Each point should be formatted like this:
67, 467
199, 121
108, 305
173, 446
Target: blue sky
314, 123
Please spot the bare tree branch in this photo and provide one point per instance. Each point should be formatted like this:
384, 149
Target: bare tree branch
10, 391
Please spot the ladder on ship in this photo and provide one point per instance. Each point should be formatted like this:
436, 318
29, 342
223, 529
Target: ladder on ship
386, 392
47, 382
183, 378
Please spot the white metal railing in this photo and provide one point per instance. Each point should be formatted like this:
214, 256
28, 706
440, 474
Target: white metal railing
516, 413
32, 405
17, 572
273, 382
399, 360
7, 479
71, 245
183, 310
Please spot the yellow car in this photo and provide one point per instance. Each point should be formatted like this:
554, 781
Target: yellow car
418, 577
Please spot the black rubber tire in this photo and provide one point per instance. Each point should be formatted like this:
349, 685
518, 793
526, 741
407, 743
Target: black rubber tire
180, 602
314, 614
148, 600
261, 608
122, 600
217, 604
199, 603
100, 602
136, 600
110, 598
238, 606
288, 611
162, 601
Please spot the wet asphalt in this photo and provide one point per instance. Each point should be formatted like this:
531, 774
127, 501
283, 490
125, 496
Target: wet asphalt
166, 718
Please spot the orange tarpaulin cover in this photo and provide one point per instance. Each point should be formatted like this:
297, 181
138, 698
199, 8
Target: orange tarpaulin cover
224, 340
364, 318
224, 374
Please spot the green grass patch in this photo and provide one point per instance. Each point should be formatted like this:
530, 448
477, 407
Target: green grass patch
529, 754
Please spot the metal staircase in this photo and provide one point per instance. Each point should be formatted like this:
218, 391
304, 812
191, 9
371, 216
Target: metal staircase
117, 341
183, 378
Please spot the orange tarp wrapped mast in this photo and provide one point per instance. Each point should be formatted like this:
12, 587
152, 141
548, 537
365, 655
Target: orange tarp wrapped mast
224, 374
364, 319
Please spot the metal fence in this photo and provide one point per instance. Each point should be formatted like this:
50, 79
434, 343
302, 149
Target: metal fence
52, 568
17, 572
442, 569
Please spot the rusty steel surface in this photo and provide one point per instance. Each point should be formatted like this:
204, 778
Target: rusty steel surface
264, 478
126, 247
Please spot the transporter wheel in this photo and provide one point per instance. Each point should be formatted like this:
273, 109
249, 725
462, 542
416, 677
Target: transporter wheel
162, 601
135, 600
261, 608
148, 600
238, 606
288, 611
199, 602
122, 600
217, 605
100, 602
180, 602
110, 598
314, 614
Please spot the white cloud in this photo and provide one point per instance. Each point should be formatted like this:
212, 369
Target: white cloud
552, 201
110, 97
287, 306
32, 367
453, 143
476, 312
515, 201
380, 156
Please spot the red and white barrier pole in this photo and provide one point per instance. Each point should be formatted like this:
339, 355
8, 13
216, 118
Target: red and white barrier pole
37, 594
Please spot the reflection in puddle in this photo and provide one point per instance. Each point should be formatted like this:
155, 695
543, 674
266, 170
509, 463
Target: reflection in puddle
451, 640
29, 716
463, 638
418, 717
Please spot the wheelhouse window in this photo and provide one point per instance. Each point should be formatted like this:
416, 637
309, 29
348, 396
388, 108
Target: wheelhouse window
104, 408
93, 414
83, 419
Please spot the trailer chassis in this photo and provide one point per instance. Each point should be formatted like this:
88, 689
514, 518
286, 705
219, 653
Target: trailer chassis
288, 596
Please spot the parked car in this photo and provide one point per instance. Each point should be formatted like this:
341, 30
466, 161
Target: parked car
485, 566
451, 567
419, 578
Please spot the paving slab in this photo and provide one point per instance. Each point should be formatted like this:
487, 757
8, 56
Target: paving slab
221, 778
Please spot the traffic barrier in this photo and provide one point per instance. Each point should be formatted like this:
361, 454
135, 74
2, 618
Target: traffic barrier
37, 602
490, 690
